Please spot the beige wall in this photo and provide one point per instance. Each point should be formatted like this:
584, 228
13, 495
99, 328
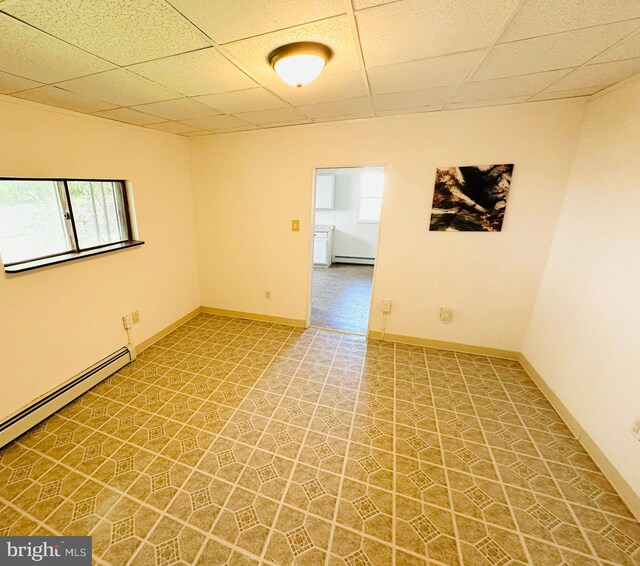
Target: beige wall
584, 330
584, 336
57, 321
248, 186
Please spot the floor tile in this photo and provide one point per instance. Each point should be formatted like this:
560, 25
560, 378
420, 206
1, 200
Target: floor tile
238, 442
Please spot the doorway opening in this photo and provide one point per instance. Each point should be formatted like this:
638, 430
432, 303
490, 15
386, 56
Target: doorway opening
348, 204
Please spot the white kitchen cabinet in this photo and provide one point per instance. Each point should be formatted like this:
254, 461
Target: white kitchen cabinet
325, 191
323, 246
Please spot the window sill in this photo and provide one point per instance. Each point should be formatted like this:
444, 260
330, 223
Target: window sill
46, 262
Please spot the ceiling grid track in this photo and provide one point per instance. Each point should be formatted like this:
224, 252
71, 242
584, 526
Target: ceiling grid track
179, 67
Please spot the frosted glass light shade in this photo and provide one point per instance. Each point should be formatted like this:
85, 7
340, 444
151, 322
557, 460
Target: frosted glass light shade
298, 70
298, 64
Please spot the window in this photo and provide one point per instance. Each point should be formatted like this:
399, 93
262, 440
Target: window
45, 221
370, 196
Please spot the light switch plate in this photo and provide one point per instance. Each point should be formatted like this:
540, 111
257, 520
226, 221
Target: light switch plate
295, 225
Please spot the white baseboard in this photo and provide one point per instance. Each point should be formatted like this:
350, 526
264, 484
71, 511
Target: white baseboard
621, 485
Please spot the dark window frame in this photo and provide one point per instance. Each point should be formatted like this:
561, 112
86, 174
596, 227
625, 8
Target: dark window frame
76, 252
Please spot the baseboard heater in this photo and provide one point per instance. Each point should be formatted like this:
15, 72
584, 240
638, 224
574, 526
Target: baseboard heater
44, 406
353, 259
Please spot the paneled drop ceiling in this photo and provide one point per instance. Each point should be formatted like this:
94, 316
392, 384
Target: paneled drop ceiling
198, 67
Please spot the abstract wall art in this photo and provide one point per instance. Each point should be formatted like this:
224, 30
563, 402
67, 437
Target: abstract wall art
470, 198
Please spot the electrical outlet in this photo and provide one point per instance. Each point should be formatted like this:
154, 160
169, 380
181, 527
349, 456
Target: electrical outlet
267, 294
127, 321
386, 306
135, 315
446, 314
635, 429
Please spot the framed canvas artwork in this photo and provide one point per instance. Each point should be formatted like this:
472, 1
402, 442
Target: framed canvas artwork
470, 198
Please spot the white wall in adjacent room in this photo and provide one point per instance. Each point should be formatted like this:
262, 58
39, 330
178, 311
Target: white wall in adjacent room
57, 321
584, 335
248, 186
350, 237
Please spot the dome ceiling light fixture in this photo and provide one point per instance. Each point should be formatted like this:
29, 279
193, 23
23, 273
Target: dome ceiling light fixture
299, 63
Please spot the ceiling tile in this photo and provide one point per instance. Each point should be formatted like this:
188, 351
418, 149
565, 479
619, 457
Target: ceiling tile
342, 118
120, 87
11, 83
493, 102
33, 54
172, 127
242, 100
192, 74
289, 123
418, 110
360, 107
570, 49
179, 109
628, 48
334, 32
274, 116
120, 31
230, 20
424, 73
414, 99
362, 4
602, 74
196, 134
542, 17
525, 85
566, 93
130, 116
234, 129
215, 123
417, 29
324, 89
61, 98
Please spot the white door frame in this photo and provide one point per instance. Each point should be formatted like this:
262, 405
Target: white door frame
314, 173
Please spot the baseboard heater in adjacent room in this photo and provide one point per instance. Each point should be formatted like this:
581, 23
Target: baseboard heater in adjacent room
353, 259
44, 406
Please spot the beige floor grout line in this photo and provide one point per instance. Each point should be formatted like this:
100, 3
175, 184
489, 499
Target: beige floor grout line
190, 328
495, 466
42, 524
223, 480
255, 447
342, 474
128, 496
240, 549
394, 502
596, 556
177, 391
337, 437
326, 406
340, 438
195, 468
296, 460
288, 481
189, 476
444, 465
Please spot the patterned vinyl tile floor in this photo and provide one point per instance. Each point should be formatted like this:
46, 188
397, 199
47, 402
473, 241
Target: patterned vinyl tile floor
341, 296
240, 442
